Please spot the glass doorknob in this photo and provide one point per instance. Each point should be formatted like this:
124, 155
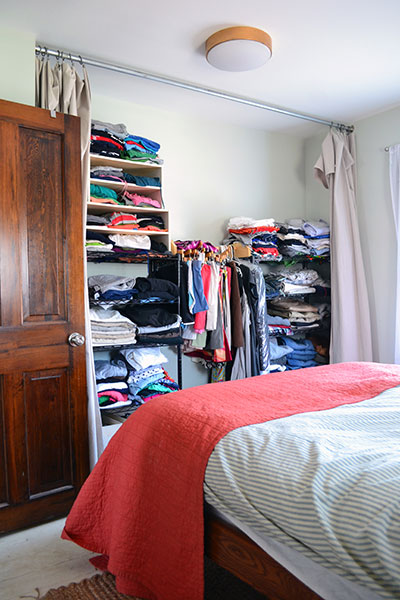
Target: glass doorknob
76, 339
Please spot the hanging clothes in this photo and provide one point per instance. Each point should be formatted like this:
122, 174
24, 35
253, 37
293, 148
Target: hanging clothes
351, 335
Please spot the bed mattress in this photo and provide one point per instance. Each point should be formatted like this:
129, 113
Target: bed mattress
319, 491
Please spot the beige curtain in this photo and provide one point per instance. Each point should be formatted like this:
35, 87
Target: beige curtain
351, 324
60, 88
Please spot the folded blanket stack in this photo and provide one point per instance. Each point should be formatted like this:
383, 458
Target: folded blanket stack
111, 328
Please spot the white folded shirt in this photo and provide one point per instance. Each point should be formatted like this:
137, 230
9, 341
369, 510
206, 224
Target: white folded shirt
131, 241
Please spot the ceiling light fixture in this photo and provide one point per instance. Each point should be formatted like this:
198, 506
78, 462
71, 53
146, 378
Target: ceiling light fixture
238, 48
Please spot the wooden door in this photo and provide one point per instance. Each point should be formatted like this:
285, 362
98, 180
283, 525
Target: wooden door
43, 404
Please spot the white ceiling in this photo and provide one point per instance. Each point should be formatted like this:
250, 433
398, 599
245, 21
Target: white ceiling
337, 60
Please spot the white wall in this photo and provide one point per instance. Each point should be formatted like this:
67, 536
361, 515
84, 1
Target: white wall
375, 218
17, 66
378, 236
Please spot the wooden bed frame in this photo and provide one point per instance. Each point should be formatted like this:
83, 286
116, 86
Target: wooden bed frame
236, 552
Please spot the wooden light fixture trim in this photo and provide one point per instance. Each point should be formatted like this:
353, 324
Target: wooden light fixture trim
239, 33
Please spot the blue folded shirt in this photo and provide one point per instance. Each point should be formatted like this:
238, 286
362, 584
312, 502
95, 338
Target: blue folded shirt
299, 345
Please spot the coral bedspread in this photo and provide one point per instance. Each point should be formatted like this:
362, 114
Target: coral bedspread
142, 506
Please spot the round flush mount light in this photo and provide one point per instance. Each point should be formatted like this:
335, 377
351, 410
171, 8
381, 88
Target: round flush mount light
238, 48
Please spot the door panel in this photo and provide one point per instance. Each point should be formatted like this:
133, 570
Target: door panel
43, 433
3, 464
48, 434
40, 193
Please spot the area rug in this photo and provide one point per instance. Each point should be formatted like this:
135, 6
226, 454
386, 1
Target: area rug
219, 585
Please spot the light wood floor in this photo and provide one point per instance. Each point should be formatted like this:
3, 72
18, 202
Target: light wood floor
39, 558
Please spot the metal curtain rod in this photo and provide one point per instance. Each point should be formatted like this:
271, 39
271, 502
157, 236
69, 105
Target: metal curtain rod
44, 51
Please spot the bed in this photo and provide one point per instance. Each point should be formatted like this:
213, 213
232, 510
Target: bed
142, 506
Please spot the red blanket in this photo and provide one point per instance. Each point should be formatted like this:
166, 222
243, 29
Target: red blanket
142, 506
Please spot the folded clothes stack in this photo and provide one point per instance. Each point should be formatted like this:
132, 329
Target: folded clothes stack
259, 234
265, 245
150, 222
111, 384
97, 244
140, 148
117, 175
124, 246
273, 285
302, 355
129, 221
146, 378
151, 289
111, 328
278, 354
126, 242
309, 238
101, 194
140, 201
113, 140
278, 326
300, 314
154, 325
110, 289
291, 240
317, 234
302, 281
130, 378
105, 143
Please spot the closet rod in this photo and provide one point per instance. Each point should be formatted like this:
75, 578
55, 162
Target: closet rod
44, 51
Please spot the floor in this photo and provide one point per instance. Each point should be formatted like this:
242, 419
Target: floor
38, 558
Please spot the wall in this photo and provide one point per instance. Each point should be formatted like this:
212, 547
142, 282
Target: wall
17, 66
378, 238
214, 170
378, 234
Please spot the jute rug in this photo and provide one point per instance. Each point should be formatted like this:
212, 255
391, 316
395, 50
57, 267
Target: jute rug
219, 585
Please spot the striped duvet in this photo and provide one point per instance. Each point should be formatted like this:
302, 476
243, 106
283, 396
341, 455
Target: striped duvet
324, 483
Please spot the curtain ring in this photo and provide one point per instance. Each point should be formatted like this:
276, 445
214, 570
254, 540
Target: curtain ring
62, 56
58, 58
70, 58
80, 60
43, 52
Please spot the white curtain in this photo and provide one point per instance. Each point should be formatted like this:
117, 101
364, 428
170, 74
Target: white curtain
394, 173
351, 324
60, 88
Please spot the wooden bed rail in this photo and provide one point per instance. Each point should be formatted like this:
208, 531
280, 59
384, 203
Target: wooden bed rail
236, 552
